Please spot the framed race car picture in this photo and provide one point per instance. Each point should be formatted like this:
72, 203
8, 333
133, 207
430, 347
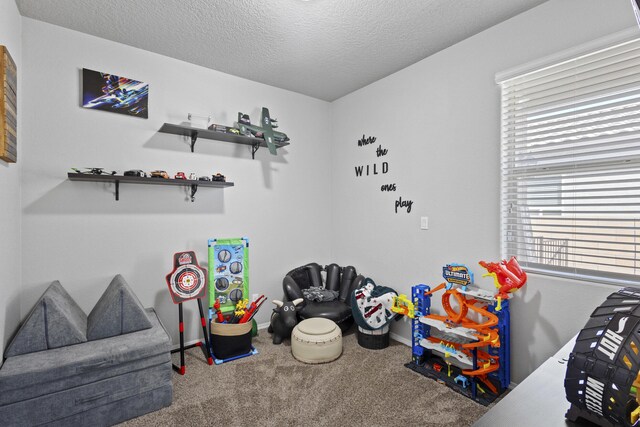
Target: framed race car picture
108, 92
8, 107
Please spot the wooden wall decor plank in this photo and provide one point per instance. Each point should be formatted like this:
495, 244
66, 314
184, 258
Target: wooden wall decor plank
8, 107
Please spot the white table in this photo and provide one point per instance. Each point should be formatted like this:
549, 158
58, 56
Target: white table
537, 401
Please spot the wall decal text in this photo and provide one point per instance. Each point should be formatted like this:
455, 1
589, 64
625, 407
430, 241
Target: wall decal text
404, 204
381, 168
373, 170
366, 141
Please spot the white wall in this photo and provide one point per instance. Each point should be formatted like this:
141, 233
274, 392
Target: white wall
439, 119
10, 249
77, 233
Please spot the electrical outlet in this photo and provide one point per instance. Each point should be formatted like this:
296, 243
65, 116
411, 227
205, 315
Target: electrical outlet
424, 223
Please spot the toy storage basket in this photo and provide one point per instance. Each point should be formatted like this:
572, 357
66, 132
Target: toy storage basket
374, 339
230, 340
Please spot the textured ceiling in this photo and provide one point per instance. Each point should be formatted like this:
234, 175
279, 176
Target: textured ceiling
321, 48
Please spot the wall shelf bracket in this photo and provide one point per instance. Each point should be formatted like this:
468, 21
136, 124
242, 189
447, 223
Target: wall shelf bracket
194, 189
254, 149
194, 138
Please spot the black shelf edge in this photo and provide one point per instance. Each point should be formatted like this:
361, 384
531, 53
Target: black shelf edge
195, 133
117, 179
145, 180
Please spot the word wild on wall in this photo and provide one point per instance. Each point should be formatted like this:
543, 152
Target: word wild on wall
380, 168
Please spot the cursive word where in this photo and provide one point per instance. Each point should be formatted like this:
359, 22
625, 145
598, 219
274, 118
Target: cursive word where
366, 141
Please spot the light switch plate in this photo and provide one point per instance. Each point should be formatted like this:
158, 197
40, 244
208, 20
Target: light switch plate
424, 222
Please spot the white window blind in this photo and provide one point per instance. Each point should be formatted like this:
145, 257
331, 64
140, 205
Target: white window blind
570, 164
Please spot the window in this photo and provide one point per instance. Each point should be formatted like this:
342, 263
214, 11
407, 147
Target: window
570, 164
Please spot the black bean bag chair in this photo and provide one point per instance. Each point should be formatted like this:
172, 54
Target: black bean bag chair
341, 280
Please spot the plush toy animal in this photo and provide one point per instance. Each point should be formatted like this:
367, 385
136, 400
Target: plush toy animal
283, 319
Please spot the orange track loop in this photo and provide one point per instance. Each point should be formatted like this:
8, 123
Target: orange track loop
482, 371
493, 319
482, 355
486, 335
483, 359
462, 302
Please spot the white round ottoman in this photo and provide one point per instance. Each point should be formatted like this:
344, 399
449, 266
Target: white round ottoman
316, 340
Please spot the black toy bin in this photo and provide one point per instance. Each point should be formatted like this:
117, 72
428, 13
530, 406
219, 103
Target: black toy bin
230, 340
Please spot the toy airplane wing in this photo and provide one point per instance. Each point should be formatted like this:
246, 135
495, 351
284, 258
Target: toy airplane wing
267, 129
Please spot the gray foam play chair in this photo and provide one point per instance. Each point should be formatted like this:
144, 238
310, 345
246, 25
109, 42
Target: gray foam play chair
66, 368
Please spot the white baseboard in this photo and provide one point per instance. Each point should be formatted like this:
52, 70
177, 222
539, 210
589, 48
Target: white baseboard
400, 339
262, 326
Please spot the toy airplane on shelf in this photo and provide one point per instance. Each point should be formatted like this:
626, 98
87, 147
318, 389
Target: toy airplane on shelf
93, 171
265, 130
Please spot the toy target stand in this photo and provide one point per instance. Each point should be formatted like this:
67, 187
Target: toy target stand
188, 281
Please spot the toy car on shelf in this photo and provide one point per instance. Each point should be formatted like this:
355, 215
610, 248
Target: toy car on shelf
218, 128
93, 171
180, 175
159, 174
218, 177
204, 178
135, 172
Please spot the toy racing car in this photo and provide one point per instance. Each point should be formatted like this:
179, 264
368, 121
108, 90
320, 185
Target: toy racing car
135, 172
159, 174
218, 177
180, 175
204, 178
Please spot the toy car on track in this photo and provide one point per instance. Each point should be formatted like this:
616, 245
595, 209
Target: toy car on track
159, 174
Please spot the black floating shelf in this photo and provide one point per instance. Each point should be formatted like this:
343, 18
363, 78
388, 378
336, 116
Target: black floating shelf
195, 133
117, 179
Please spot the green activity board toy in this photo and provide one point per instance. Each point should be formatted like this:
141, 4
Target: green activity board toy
228, 272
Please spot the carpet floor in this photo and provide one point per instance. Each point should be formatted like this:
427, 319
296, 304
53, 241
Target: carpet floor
362, 388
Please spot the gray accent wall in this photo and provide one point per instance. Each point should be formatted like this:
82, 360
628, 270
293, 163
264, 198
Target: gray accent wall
440, 121
10, 243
